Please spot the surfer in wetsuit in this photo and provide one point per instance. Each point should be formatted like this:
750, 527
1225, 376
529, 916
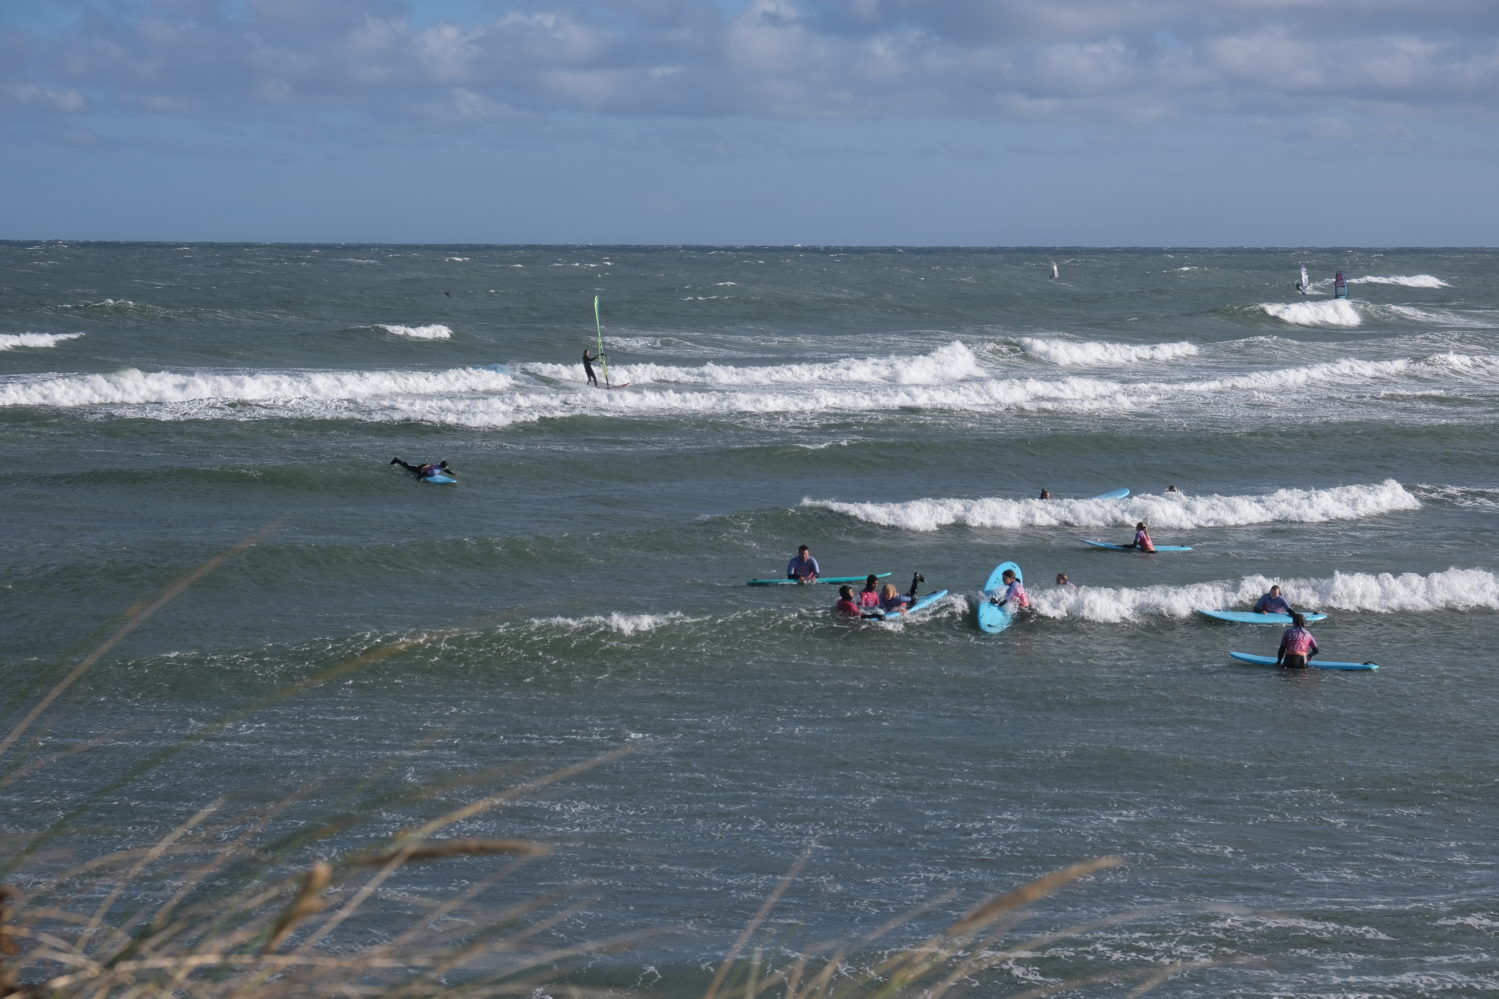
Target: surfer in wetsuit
1273, 603
1142, 539
1014, 592
425, 471
588, 359
803, 567
1297, 645
891, 599
1045, 493
847, 606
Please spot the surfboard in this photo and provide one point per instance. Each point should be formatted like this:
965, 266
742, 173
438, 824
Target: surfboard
919, 605
436, 480
1251, 617
1315, 663
1112, 494
820, 579
1130, 548
993, 618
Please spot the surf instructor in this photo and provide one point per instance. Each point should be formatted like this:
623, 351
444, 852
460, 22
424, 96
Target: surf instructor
803, 567
1273, 603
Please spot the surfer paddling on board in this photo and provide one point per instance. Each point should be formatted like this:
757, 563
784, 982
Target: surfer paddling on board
803, 567
1273, 603
588, 358
1296, 645
425, 471
1142, 539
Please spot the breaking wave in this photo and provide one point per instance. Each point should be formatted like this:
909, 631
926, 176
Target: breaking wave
1174, 512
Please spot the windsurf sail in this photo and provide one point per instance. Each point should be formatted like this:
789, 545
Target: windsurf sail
599, 326
1306, 282
1053, 268
1339, 286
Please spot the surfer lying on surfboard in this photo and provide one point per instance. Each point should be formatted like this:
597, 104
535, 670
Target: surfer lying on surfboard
425, 471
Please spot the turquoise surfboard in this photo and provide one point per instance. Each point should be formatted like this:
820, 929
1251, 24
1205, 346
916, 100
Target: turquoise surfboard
993, 618
1130, 548
820, 579
1314, 662
1250, 617
1113, 494
920, 604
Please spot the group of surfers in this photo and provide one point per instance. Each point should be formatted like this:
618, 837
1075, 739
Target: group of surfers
1297, 646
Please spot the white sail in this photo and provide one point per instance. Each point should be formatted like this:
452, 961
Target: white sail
1306, 282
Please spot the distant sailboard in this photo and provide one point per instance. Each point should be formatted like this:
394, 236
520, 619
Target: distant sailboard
1053, 268
1339, 286
598, 324
1305, 285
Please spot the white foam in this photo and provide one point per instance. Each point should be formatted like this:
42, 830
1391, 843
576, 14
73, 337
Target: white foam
133, 387
1385, 593
1164, 512
1332, 312
1405, 281
15, 341
1072, 352
436, 331
624, 624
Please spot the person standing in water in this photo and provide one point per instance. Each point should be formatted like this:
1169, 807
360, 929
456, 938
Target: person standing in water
1297, 646
803, 567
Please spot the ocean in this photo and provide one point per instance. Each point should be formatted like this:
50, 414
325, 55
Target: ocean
215, 423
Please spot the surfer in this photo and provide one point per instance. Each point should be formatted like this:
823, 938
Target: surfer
588, 359
846, 605
1014, 591
1273, 603
1062, 580
1142, 539
892, 599
1045, 493
1296, 645
803, 567
869, 597
425, 471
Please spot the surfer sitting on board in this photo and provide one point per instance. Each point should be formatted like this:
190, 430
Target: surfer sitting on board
1014, 592
891, 599
1142, 539
1273, 603
425, 471
1296, 645
588, 359
803, 567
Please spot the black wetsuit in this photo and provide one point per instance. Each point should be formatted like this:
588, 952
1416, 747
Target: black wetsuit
588, 369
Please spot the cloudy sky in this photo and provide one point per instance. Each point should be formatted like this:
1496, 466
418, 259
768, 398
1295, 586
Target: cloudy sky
913, 122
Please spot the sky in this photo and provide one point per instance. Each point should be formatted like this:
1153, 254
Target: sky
812, 122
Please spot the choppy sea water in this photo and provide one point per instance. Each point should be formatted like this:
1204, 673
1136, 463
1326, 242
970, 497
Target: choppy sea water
581, 589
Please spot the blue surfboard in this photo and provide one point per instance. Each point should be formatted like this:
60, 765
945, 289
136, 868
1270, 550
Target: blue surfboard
1251, 617
437, 480
993, 618
920, 604
1131, 548
820, 579
1314, 663
1112, 494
